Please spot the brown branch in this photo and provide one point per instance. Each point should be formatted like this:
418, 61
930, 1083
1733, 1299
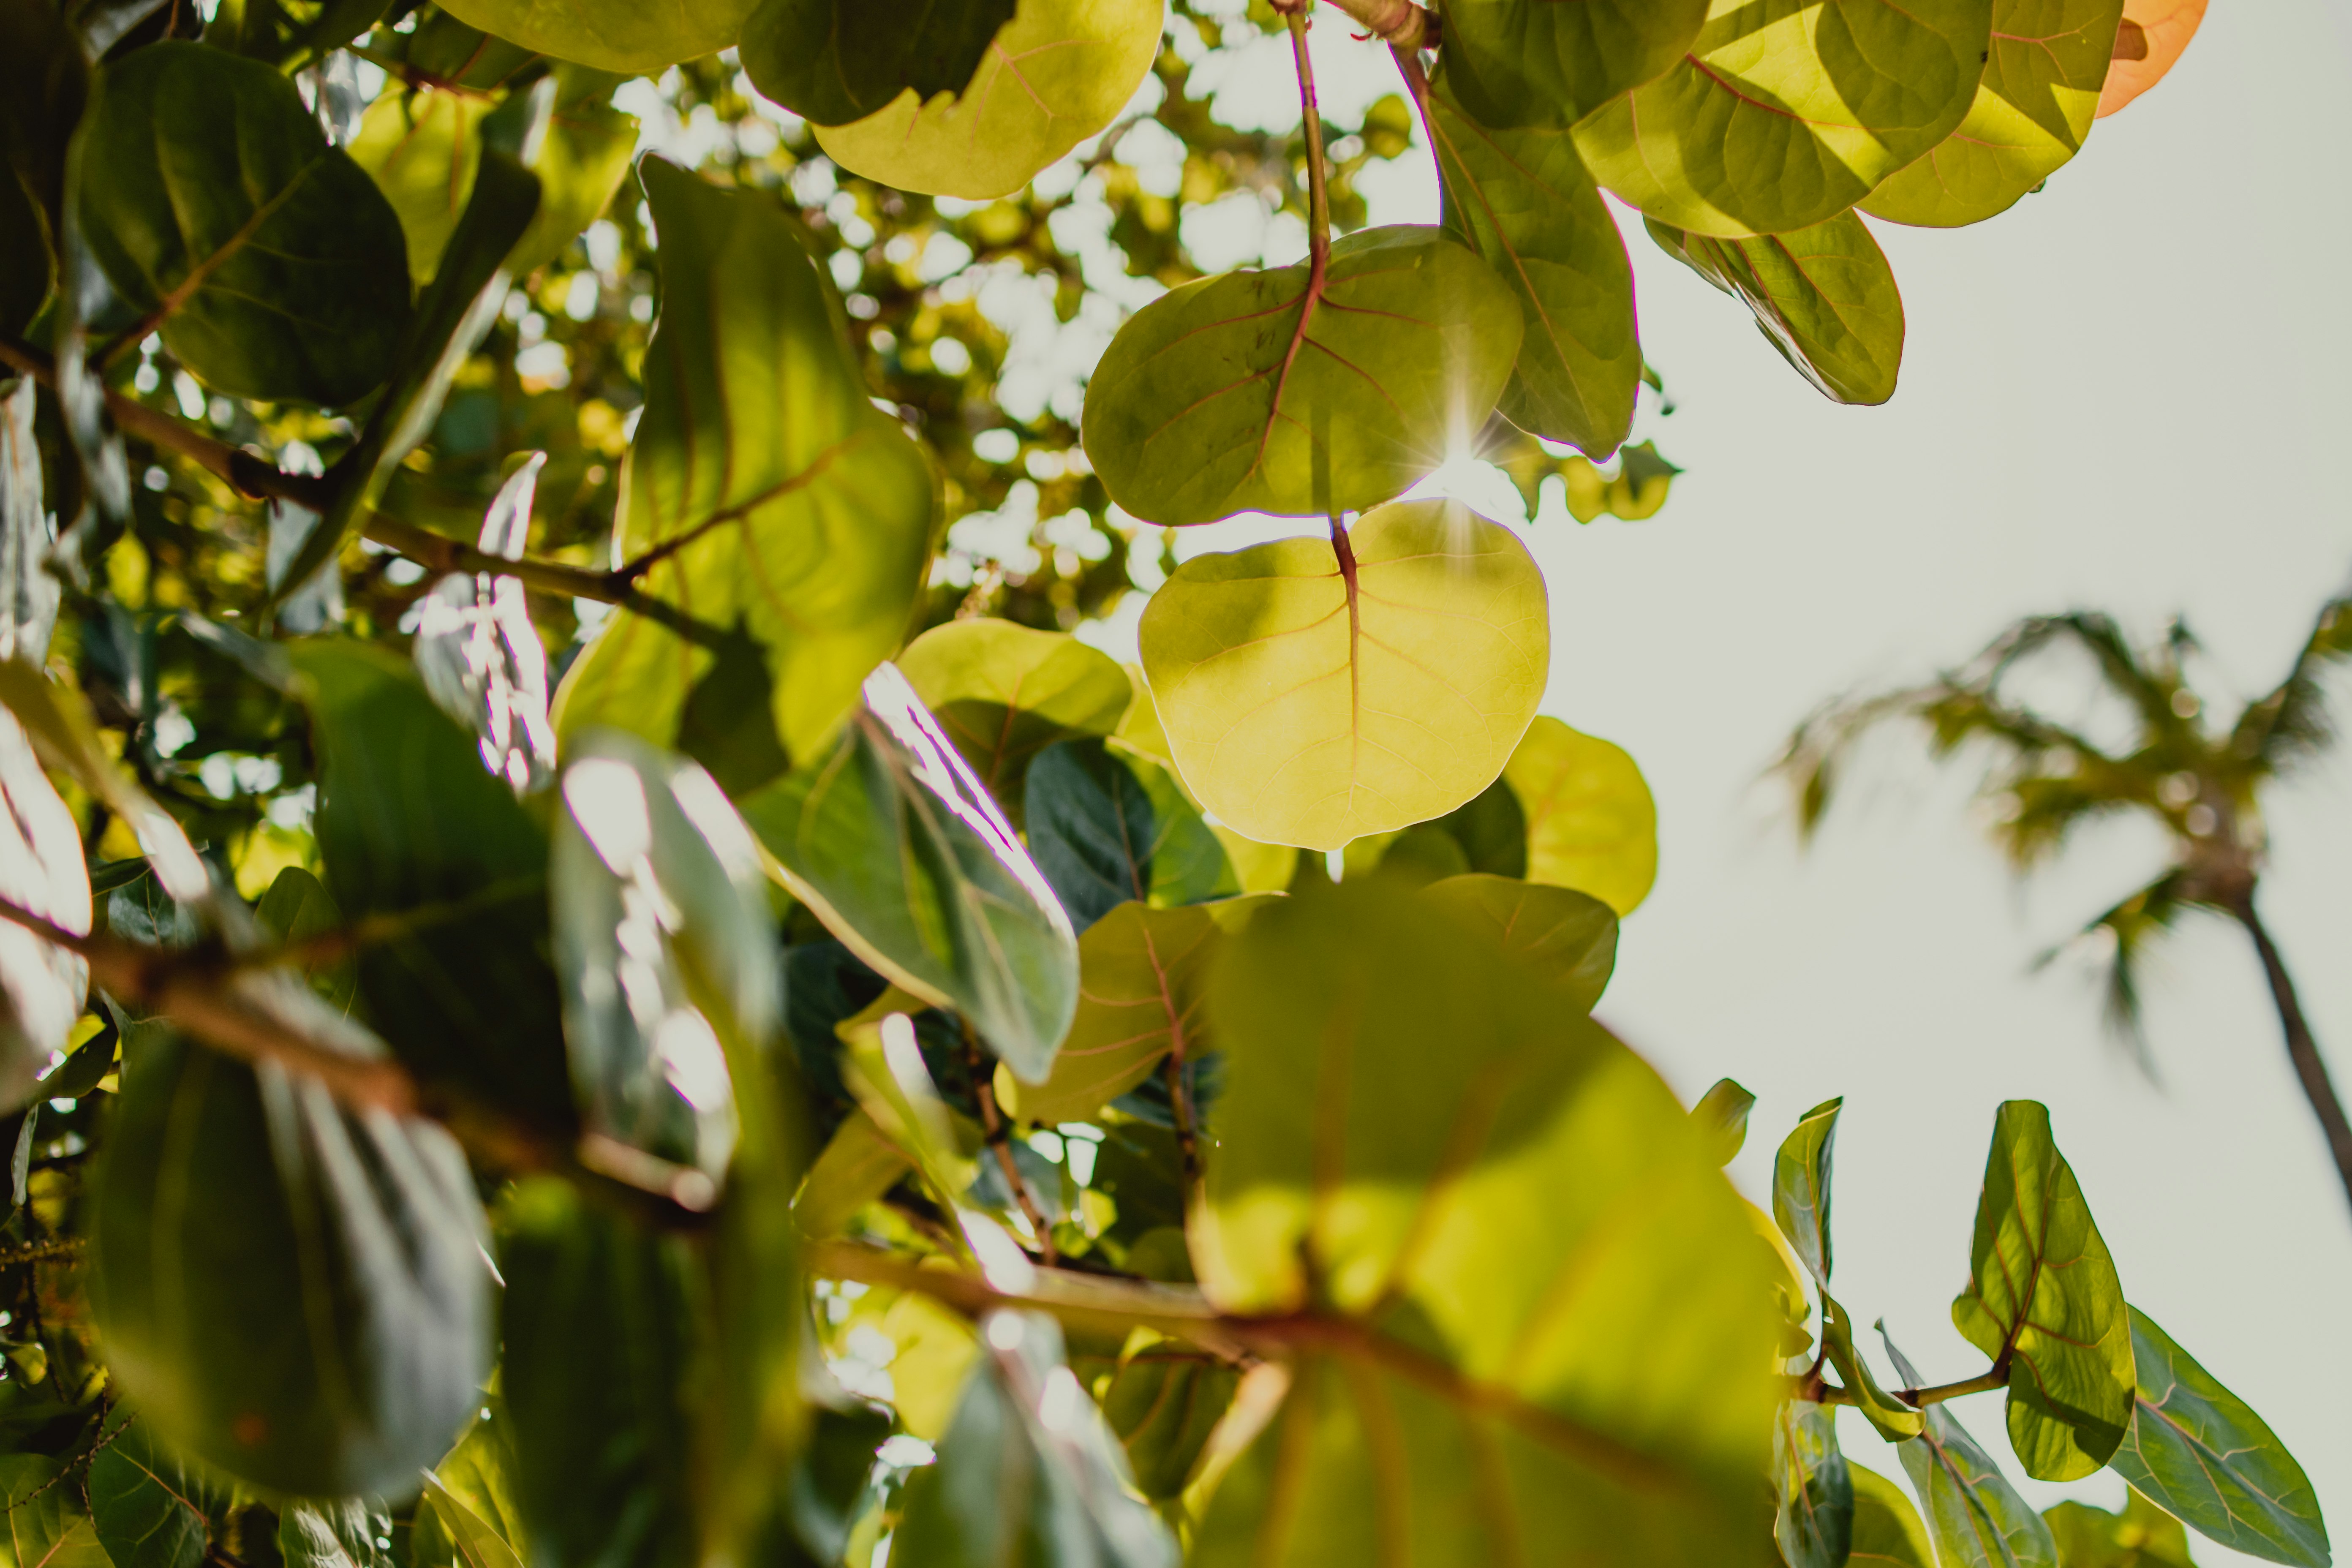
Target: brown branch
439, 553
1000, 1144
1917, 1398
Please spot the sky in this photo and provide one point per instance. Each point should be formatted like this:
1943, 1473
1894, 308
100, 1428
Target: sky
2129, 393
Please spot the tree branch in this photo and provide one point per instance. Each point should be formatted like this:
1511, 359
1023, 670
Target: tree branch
1920, 1398
1398, 23
1000, 1144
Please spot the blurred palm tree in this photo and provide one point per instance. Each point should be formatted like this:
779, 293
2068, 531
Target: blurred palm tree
2201, 782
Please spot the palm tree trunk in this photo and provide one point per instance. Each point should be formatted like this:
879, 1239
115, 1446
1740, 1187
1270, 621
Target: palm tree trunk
2300, 1048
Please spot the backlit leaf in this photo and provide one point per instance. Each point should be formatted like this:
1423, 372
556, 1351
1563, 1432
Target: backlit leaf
2200, 1452
856, 1166
480, 656
786, 519
1800, 1186
1786, 112
2142, 1536
2044, 1301
1277, 392
1055, 75
1814, 1525
1108, 827
476, 1544
1004, 693
335, 1533
1723, 1111
1591, 825
1823, 296
832, 61
215, 209
1310, 701
1567, 937
42, 986
1887, 1532
2149, 42
1523, 200
1163, 1402
611, 34
1533, 62
46, 1525
2040, 93
1544, 1326
1973, 1515
1896, 1421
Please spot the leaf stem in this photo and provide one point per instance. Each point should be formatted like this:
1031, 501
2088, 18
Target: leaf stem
1179, 1111
1319, 195
1000, 1144
1917, 1398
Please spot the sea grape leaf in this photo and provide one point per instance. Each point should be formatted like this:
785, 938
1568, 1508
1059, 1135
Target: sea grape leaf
1895, 1420
1541, 1321
1054, 76
1786, 112
1800, 1186
1530, 63
1284, 392
335, 1533
1591, 825
475, 1542
833, 61
1723, 1111
45, 1524
1636, 492
1312, 699
1140, 973
1107, 827
42, 870
785, 517
148, 1505
408, 823
1027, 1471
611, 34
1887, 1532
292, 1292
1163, 1402
858, 1165
480, 656
1823, 296
213, 204
2044, 1301
1524, 202
1492, 828
2150, 41
2033, 110
2201, 1453
472, 1520
892, 841
1973, 1515
1567, 937
2142, 1536
1004, 693
1814, 1524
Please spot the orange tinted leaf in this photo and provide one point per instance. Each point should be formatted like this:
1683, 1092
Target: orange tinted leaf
2153, 35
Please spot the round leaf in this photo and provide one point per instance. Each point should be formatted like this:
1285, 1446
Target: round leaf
1786, 112
2039, 95
1275, 392
1567, 937
1055, 75
1004, 693
1591, 825
1537, 62
212, 202
1107, 827
2149, 42
622, 36
1886, 1528
832, 61
1823, 296
1311, 704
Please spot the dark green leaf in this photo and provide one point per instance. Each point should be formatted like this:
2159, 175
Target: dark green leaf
1004, 693
1823, 296
1492, 829
832, 61
1886, 1528
44, 87
91, 1060
1800, 1186
1532, 62
148, 1505
1723, 1111
1523, 200
26, 268
292, 1292
297, 907
212, 200
45, 1524
1814, 1526
1567, 937
2044, 1301
1163, 1402
1108, 828
830, 1478
1973, 1514
1277, 392
2201, 1453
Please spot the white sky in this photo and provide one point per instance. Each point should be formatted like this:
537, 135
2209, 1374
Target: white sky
2129, 393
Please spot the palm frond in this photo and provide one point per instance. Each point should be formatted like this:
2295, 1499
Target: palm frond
2135, 926
2291, 724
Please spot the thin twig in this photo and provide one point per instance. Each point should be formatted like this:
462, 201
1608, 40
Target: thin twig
439, 553
1000, 1144
1917, 1398
1319, 195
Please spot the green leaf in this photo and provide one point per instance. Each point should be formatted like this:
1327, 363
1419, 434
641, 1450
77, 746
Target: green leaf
1312, 699
1886, 1528
2044, 1301
1004, 693
1896, 1421
833, 61
1163, 1402
1055, 75
1567, 937
1027, 1472
1723, 1111
2142, 1536
1786, 112
148, 1505
291, 1292
1108, 827
858, 1165
896, 847
477, 1544
1284, 392
1823, 296
611, 34
1140, 973
1492, 829
26, 268
409, 825
1524, 202
212, 202
1814, 1525
1974, 1516
1591, 825
1637, 490
335, 1533
1528, 62
2033, 109
46, 1525
785, 521
2197, 1451
42, 986
1800, 1186
297, 907
1537, 1322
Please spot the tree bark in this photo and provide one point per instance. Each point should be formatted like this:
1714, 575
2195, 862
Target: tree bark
2300, 1048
